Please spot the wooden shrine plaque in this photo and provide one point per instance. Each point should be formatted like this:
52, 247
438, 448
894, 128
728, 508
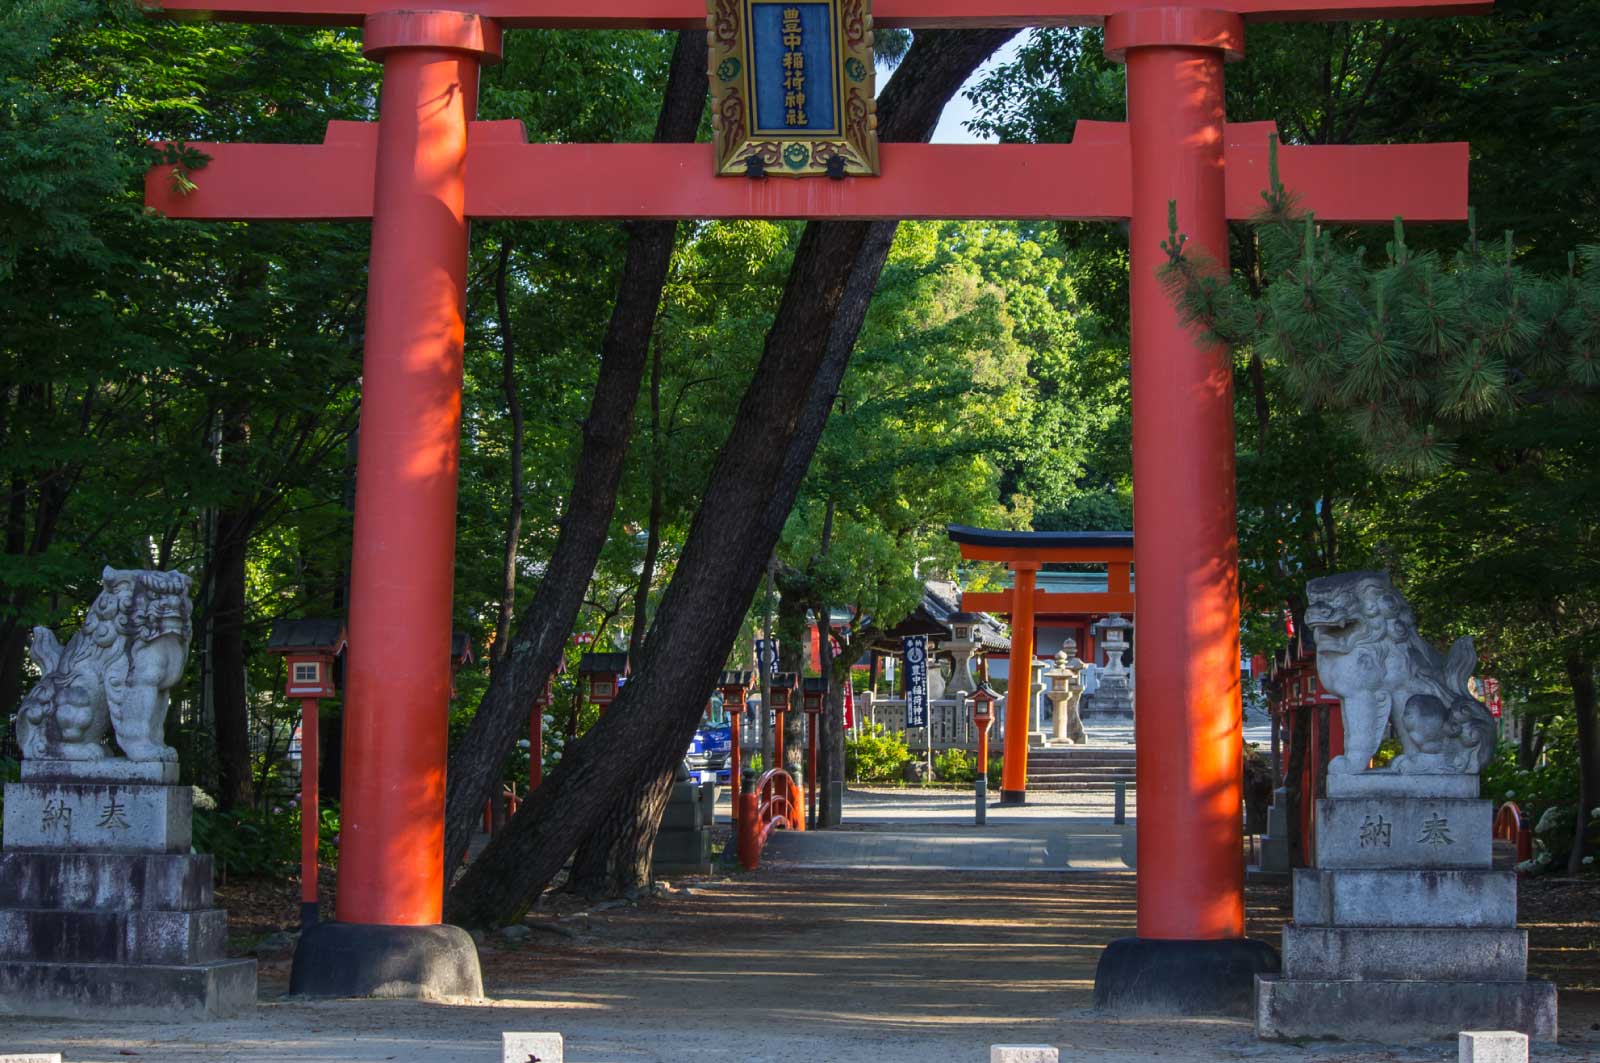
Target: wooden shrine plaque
792, 88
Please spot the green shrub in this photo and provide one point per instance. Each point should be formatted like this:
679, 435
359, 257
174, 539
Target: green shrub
261, 842
876, 755
1546, 793
955, 765
995, 765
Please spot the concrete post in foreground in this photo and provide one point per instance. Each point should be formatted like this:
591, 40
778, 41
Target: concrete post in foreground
532, 1047
1023, 1054
1492, 1046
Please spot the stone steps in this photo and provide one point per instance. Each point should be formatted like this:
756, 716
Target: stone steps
37, 878
163, 993
156, 937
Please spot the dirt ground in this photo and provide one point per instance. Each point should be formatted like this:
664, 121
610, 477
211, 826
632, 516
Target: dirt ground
793, 964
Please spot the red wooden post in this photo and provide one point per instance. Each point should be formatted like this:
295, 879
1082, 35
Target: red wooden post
735, 766
735, 687
1019, 685
310, 817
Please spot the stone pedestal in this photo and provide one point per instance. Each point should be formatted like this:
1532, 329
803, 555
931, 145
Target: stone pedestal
104, 912
683, 845
1402, 930
1275, 842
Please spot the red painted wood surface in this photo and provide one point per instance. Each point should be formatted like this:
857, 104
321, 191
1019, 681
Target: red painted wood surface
1085, 180
916, 14
1048, 602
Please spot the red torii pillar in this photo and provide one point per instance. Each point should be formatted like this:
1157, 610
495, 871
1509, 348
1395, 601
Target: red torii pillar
410, 174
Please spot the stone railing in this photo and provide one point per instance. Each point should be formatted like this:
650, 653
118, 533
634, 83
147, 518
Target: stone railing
949, 718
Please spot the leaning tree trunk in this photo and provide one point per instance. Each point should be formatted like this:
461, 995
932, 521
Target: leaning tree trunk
641, 738
1580, 673
541, 634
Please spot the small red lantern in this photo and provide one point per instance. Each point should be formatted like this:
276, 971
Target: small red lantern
782, 686
308, 648
601, 674
813, 694
983, 701
735, 687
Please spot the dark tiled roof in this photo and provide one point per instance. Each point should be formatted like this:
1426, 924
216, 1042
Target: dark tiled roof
962, 533
308, 633
590, 663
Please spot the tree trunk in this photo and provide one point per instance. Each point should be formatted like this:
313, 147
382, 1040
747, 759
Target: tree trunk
1580, 673
652, 541
751, 490
230, 696
541, 634
614, 860
508, 383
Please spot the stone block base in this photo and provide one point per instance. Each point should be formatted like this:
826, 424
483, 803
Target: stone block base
98, 817
1397, 1011
55, 936
1405, 898
114, 991
682, 847
105, 881
369, 960
1151, 976
1403, 953
1403, 832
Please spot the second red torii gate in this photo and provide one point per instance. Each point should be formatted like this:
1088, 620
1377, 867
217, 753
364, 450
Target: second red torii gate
425, 168
1023, 553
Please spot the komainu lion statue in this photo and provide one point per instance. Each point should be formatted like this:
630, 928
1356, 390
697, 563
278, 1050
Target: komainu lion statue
114, 674
1370, 655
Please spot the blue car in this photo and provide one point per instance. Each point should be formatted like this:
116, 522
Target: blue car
710, 754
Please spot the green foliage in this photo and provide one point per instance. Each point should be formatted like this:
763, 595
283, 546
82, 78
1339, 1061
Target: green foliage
955, 765
1547, 793
876, 755
262, 842
1414, 350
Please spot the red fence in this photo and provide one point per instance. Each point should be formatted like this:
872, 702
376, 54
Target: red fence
1511, 825
773, 803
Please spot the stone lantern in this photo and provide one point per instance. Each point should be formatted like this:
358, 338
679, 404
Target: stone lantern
961, 646
1113, 699
1066, 687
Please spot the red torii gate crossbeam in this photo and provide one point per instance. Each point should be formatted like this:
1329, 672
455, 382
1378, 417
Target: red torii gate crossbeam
425, 168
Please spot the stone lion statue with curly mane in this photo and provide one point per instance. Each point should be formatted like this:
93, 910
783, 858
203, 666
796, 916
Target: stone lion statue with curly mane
115, 674
1370, 655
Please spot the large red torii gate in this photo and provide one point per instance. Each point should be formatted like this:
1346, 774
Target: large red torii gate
426, 167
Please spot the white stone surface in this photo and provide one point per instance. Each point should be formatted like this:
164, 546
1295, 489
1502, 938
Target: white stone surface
1394, 784
1402, 898
1023, 1054
1404, 832
98, 817
1492, 1046
111, 769
531, 1047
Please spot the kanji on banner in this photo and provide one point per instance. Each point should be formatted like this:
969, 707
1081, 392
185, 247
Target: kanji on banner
915, 651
